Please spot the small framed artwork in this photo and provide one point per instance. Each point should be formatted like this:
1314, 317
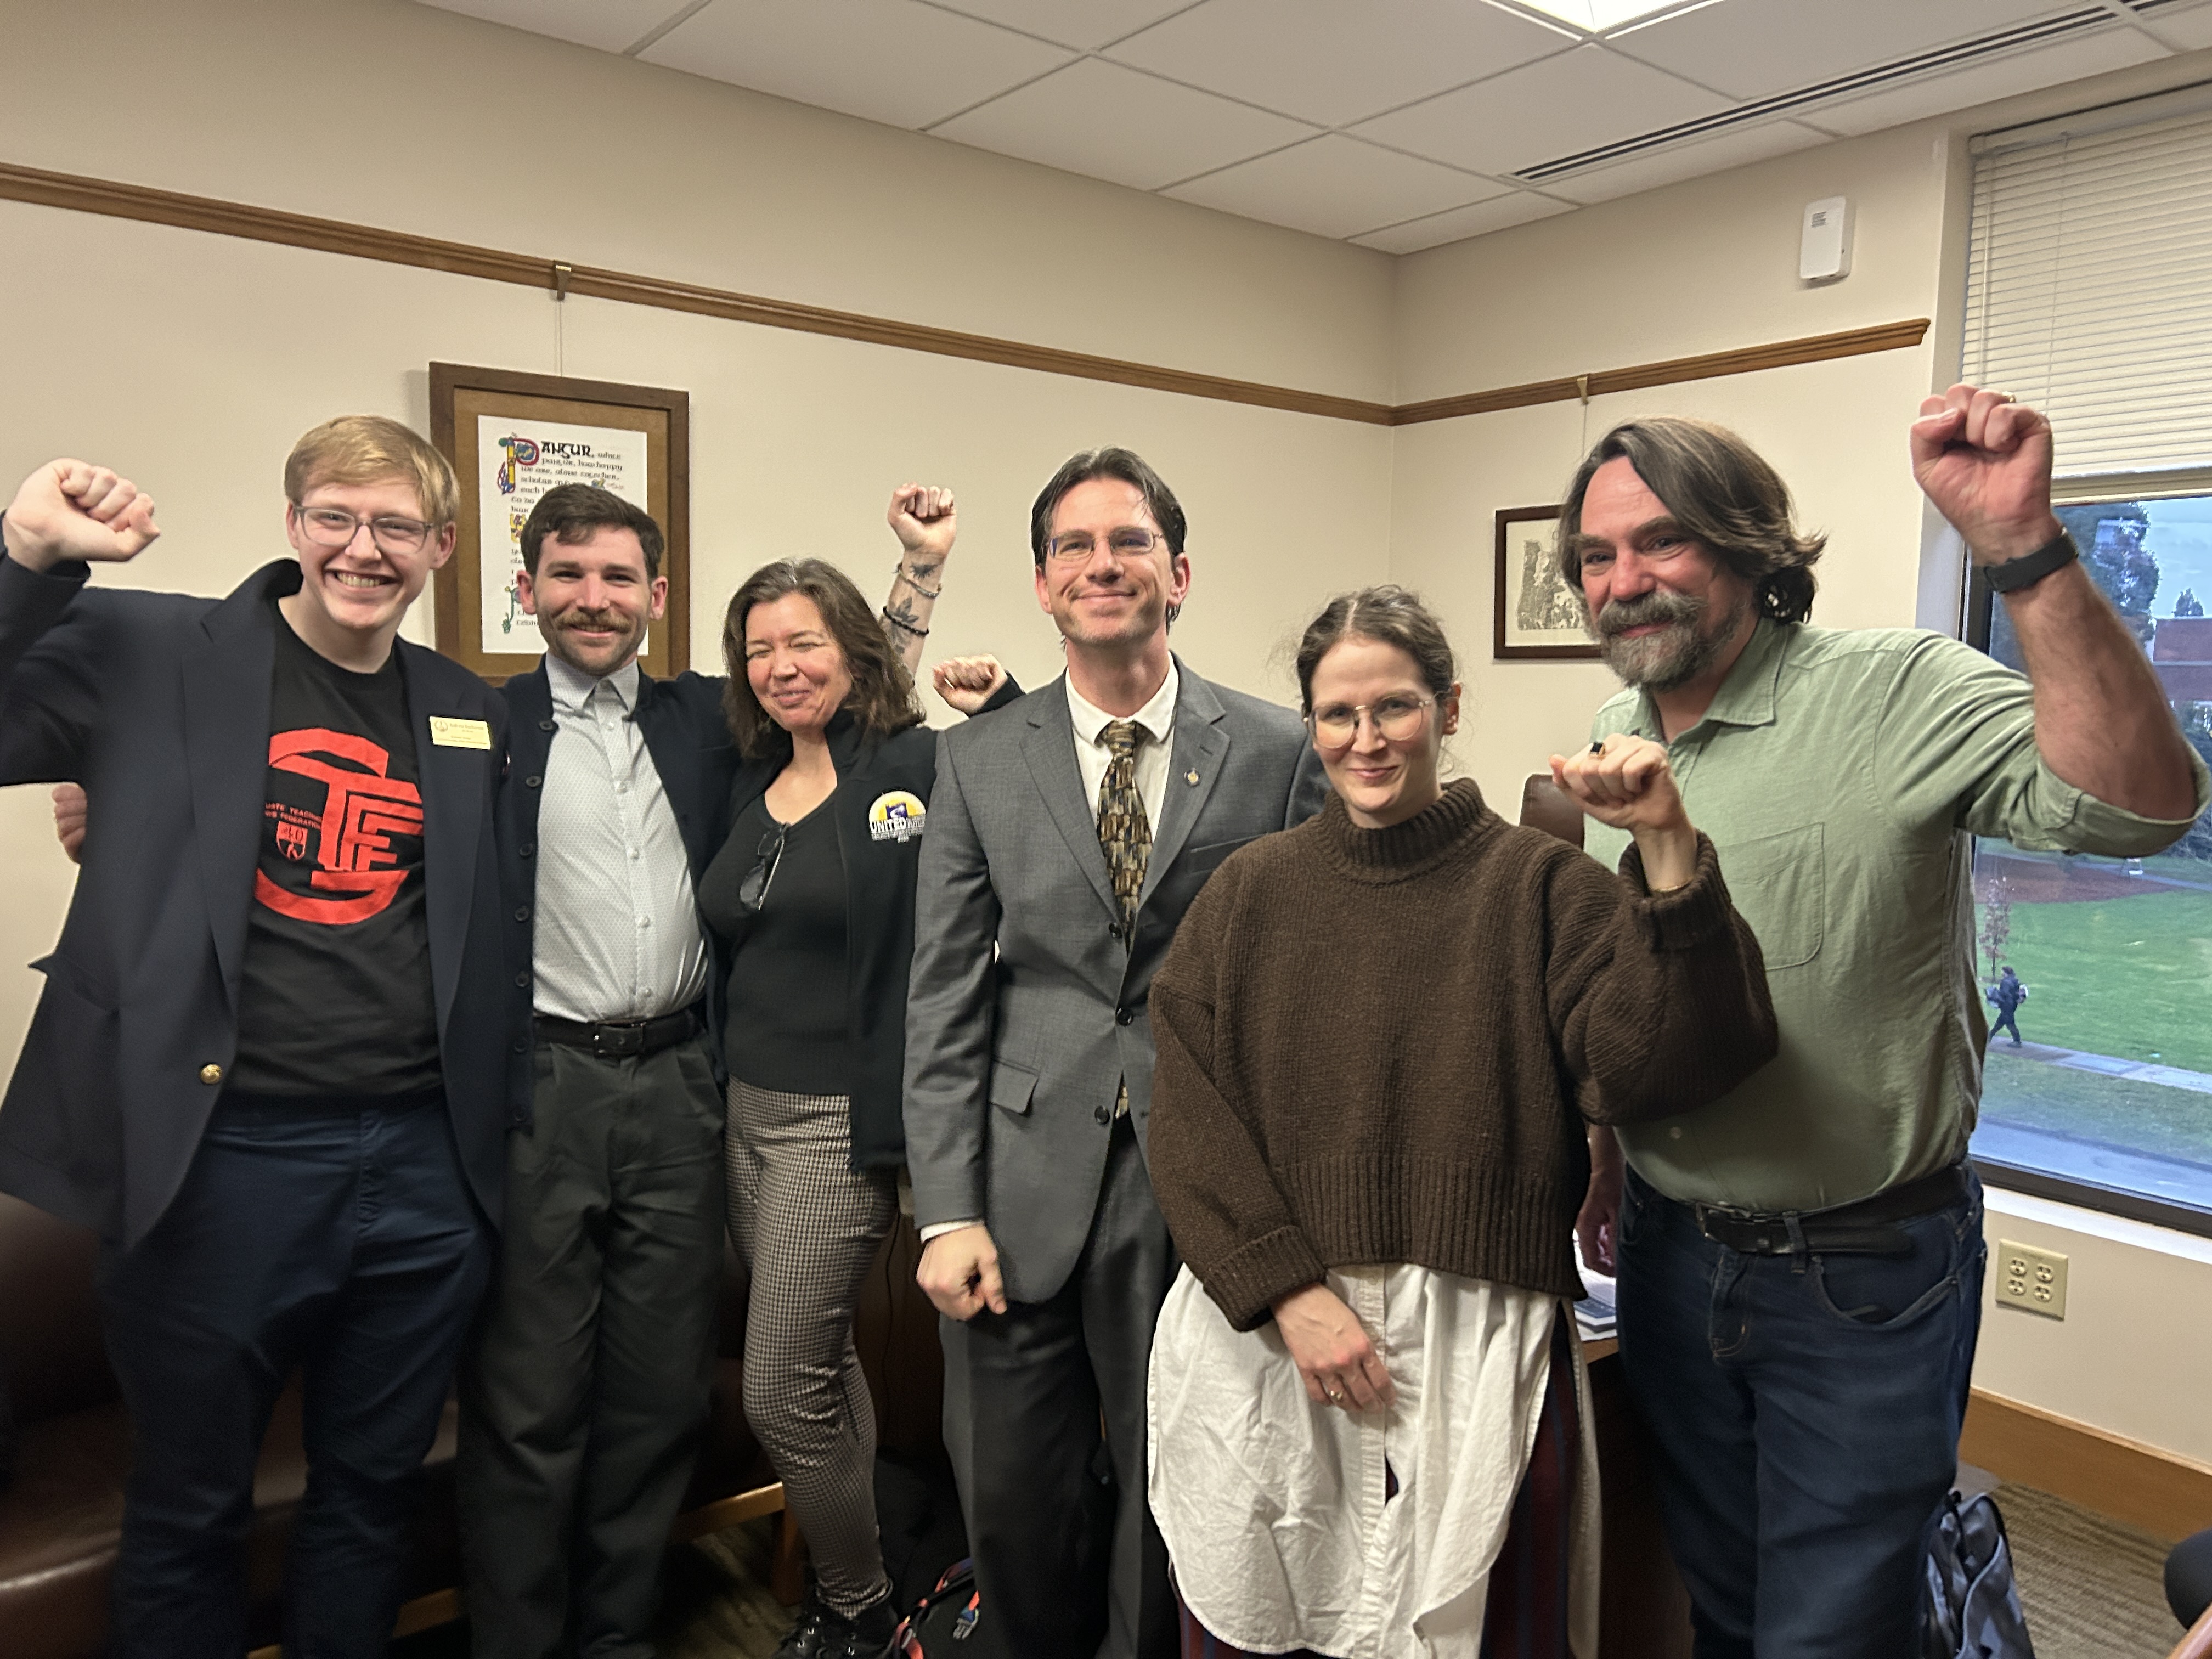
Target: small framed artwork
511, 437
1538, 614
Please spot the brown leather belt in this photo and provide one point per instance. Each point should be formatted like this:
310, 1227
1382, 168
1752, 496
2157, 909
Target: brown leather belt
1869, 1227
622, 1039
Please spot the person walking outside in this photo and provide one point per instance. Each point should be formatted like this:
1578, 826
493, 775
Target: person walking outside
2008, 993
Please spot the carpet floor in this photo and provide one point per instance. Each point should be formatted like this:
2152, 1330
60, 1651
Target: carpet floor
2092, 1589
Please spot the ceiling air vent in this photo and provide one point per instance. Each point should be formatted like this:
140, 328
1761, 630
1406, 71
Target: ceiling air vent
2064, 26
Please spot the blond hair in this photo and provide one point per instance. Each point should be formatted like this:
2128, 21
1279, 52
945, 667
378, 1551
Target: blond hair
360, 449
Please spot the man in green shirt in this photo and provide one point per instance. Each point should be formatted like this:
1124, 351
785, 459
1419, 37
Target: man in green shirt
1800, 1261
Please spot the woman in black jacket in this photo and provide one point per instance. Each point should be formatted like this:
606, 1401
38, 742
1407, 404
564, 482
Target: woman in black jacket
814, 895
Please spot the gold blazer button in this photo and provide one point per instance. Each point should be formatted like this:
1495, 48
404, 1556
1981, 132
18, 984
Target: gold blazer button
210, 1073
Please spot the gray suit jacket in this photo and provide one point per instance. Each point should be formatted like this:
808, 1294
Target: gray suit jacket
1026, 1009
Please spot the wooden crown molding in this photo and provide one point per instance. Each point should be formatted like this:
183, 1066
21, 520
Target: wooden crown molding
260, 224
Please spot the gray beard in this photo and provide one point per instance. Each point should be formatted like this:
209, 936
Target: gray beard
1690, 644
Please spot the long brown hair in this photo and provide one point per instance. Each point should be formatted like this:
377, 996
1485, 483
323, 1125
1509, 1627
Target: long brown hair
882, 700
1721, 493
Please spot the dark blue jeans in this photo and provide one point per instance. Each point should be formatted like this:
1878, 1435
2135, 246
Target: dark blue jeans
1805, 1411
343, 1240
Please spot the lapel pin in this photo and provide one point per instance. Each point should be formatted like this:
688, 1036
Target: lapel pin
1190, 777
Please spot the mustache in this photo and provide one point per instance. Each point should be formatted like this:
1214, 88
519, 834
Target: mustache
610, 620
1656, 606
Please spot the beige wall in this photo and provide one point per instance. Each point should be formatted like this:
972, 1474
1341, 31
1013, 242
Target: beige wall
402, 116
194, 361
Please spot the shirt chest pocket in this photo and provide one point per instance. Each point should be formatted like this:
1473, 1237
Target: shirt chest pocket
1780, 886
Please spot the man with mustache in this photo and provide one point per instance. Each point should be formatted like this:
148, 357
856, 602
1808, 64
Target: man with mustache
587, 1384
1801, 1260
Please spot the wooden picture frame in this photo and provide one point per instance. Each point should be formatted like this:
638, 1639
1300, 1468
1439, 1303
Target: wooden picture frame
1535, 617
476, 611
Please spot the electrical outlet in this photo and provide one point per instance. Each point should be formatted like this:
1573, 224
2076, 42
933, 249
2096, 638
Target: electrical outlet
2031, 1279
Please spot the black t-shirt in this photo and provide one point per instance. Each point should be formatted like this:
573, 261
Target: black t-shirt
788, 1027
336, 997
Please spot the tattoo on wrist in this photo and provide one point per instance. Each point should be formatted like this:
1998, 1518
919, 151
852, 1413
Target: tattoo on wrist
915, 575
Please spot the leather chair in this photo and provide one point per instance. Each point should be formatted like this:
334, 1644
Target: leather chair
1545, 805
61, 1515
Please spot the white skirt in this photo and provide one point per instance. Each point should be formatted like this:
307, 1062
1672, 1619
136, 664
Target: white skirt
1272, 1507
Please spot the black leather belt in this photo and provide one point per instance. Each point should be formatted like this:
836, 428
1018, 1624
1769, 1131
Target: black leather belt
621, 1039
1869, 1227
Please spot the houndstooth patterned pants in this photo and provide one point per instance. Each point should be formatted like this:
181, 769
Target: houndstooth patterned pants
808, 1228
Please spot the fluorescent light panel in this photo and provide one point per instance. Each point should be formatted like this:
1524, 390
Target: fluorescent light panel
1597, 16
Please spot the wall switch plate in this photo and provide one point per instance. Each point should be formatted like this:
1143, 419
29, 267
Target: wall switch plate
2031, 1279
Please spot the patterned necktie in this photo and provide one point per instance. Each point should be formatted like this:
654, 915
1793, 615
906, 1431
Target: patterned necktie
1125, 835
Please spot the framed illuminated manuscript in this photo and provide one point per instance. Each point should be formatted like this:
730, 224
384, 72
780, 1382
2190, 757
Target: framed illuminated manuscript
511, 437
1538, 614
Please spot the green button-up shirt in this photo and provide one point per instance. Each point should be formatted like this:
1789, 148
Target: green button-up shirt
1841, 774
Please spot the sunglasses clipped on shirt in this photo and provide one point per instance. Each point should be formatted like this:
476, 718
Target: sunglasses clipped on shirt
752, 891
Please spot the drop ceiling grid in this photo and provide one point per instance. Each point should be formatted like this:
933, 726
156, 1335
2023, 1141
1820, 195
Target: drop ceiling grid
1396, 122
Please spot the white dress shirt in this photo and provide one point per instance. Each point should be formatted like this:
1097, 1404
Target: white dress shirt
1272, 1507
617, 934
1092, 756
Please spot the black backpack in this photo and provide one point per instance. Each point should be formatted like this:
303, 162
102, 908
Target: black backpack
1972, 1608
943, 1621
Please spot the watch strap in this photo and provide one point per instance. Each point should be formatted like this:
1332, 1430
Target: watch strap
2013, 574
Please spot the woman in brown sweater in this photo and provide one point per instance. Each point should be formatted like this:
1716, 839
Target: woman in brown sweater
1380, 1035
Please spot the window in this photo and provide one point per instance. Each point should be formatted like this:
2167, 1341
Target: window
2085, 296
2101, 1092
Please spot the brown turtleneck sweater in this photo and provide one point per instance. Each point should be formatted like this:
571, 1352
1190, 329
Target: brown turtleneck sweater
1379, 1045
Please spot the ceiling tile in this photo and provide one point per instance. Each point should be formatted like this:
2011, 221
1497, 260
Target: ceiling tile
896, 61
1667, 166
1084, 23
1539, 113
1335, 186
2189, 27
1755, 48
1986, 83
1112, 123
1331, 63
609, 25
1457, 224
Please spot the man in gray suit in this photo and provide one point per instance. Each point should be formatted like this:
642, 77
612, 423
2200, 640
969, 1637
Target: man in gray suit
1067, 834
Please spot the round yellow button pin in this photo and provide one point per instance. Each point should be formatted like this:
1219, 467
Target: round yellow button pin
210, 1072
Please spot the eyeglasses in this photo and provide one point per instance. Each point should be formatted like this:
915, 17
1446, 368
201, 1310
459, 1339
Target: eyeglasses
1128, 543
752, 891
333, 526
1396, 717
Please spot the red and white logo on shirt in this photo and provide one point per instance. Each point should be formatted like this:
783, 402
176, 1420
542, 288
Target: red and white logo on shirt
357, 868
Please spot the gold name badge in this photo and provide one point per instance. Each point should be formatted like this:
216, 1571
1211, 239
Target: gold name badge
449, 732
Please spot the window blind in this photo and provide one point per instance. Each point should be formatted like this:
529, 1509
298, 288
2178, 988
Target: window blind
2089, 280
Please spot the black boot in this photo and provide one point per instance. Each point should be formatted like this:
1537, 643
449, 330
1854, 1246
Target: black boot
867, 1634
815, 1636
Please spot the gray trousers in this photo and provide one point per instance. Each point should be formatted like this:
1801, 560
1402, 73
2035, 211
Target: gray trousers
585, 1389
808, 1227
1068, 1560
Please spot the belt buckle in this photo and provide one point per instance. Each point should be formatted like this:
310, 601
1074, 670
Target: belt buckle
618, 1042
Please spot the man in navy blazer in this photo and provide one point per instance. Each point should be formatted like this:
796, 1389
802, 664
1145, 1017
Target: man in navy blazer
272, 1062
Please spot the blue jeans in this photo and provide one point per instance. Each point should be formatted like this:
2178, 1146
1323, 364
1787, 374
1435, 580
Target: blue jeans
341, 1241
1805, 1411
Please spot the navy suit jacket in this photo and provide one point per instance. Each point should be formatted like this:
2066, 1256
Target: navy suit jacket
689, 742
159, 704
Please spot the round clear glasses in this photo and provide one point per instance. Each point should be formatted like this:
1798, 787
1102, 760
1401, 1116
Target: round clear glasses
1397, 718
333, 526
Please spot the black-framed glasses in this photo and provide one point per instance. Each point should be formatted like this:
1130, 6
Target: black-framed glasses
1396, 717
333, 526
752, 891
1130, 542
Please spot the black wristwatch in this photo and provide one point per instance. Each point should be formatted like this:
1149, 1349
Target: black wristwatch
2030, 568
